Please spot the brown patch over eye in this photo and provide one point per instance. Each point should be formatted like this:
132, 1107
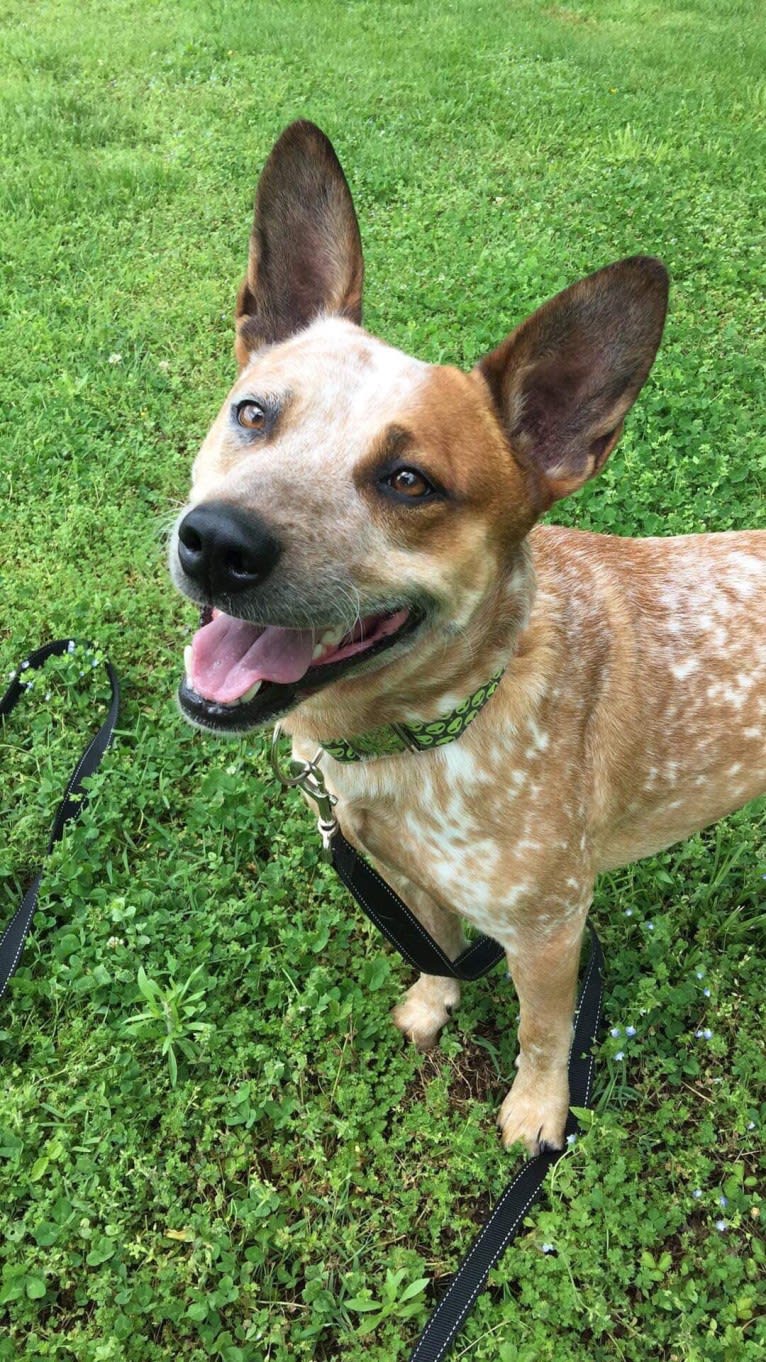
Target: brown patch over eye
251, 415
408, 482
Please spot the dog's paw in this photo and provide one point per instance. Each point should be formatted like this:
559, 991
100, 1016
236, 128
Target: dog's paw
535, 1112
425, 1008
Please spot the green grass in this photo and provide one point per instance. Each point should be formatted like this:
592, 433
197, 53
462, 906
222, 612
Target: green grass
303, 1162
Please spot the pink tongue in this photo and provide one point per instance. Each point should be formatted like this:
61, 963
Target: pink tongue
229, 656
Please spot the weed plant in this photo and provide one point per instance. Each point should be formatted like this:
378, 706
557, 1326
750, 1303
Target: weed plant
212, 1142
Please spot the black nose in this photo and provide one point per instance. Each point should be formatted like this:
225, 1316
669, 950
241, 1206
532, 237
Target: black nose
225, 550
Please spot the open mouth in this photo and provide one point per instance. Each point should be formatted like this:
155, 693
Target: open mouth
240, 675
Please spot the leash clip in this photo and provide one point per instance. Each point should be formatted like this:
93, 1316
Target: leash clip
307, 777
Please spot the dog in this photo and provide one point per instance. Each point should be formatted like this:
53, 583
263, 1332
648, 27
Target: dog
504, 709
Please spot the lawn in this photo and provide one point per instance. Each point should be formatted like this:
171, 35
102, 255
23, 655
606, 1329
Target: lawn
212, 1142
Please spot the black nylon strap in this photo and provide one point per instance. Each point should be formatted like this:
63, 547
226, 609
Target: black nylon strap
400, 926
523, 1191
12, 941
403, 930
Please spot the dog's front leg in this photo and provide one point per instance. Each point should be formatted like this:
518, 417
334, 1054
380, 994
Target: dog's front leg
428, 1004
543, 961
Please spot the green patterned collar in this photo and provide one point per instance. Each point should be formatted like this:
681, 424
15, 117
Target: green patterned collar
416, 737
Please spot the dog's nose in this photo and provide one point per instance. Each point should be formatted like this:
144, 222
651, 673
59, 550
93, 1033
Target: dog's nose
225, 550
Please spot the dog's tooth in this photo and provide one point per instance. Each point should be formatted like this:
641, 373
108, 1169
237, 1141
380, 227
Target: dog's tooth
188, 661
317, 651
248, 695
332, 636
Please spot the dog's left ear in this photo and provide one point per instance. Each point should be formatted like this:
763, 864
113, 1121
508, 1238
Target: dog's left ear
305, 248
563, 381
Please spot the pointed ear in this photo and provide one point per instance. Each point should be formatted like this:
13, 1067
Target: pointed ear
305, 248
564, 380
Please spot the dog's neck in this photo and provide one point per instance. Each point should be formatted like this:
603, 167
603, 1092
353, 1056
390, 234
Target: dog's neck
445, 668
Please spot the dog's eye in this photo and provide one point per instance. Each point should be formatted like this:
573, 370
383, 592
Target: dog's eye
409, 482
251, 415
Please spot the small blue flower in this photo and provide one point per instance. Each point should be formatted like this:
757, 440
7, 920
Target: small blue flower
548, 1248
615, 1031
71, 645
721, 1226
571, 1139
723, 1201
629, 911
650, 926
630, 1031
707, 1033
706, 992
700, 973
697, 1193
620, 1054
751, 1124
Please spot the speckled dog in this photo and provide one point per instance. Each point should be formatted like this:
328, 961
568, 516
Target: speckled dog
362, 525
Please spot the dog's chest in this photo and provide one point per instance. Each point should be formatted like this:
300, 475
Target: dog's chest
470, 824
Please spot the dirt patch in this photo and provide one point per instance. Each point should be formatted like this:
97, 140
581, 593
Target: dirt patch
474, 1075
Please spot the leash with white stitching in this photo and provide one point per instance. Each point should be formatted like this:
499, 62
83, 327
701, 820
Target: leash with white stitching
507, 1216
379, 902
12, 941
407, 934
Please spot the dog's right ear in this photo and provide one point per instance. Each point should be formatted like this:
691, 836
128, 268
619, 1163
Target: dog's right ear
305, 248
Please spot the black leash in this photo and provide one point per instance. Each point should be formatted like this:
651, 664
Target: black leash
524, 1190
12, 942
403, 930
400, 926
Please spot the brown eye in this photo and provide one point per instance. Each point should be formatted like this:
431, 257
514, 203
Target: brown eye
408, 482
250, 415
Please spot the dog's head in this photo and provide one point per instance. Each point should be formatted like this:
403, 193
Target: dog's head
355, 511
